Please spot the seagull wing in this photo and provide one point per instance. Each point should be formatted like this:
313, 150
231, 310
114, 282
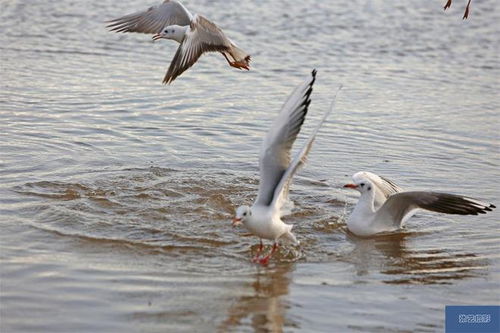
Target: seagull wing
281, 191
274, 158
400, 206
154, 19
202, 36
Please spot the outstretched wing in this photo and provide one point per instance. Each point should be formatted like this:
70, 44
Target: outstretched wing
202, 36
274, 157
281, 191
154, 19
402, 205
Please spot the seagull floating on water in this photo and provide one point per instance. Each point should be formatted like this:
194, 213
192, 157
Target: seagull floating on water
383, 206
195, 33
263, 219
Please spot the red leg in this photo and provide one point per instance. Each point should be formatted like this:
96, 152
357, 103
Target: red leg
264, 261
259, 251
238, 64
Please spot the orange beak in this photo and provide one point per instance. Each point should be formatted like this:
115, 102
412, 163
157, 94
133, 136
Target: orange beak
353, 186
236, 221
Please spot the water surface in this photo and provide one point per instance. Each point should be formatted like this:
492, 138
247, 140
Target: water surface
117, 192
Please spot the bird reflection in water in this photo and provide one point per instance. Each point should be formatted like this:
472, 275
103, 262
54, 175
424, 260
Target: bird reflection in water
404, 262
265, 307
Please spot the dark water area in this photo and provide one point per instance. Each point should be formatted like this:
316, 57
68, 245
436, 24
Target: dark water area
117, 191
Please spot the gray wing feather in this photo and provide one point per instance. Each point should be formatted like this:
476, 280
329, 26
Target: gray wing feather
152, 20
384, 185
281, 191
399, 205
275, 150
388, 187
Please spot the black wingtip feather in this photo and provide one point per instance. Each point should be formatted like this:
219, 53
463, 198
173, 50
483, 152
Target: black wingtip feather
307, 101
308, 93
453, 204
313, 73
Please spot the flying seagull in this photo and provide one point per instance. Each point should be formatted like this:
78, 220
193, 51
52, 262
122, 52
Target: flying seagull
277, 168
375, 214
195, 33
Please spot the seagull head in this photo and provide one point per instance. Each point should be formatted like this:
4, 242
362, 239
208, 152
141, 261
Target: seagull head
175, 32
360, 184
242, 214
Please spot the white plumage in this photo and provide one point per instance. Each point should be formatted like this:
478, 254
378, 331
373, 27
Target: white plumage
383, 206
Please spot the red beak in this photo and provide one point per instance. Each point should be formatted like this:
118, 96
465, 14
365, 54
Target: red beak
353, 186
236, 221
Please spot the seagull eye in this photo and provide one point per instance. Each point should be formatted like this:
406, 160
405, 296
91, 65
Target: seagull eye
362, 184
245, 214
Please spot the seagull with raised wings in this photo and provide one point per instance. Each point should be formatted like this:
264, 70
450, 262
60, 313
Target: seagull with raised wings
384, 207
195, 33
263, 218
